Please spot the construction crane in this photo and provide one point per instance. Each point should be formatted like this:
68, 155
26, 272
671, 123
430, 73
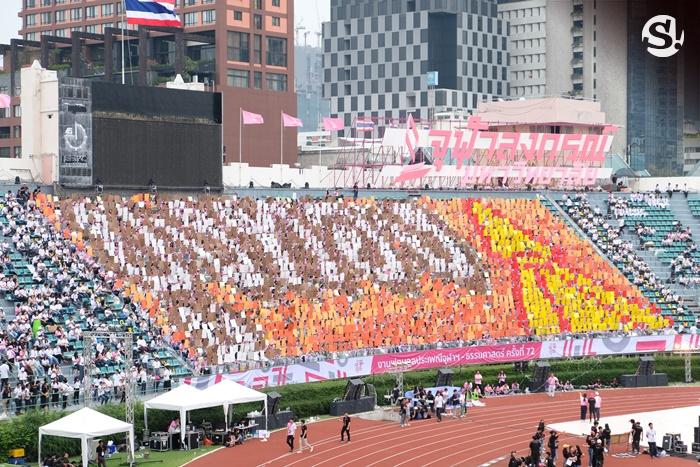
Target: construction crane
296, 33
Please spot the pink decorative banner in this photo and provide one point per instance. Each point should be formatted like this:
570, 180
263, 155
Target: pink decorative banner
477, 355
455, 357
333, 124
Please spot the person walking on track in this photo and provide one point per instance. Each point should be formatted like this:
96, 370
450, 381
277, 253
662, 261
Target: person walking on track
346, 428
304, 438
552, 382
584, 406
291, 429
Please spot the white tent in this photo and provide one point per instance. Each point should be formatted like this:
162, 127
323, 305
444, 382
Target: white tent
86, 424
230, 392
185, 398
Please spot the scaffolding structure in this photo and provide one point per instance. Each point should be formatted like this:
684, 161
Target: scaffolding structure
90, 339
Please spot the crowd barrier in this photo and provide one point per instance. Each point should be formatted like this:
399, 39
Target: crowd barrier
439, 358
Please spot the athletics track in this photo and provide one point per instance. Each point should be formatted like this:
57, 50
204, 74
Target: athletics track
484, 436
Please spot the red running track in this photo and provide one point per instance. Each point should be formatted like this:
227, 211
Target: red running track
485, 435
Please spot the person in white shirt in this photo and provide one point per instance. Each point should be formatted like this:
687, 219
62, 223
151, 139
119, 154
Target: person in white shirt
291, 429
651, 440
4, 374
439, 403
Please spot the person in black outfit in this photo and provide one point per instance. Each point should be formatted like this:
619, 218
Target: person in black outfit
591, 408
100, 451
553, 445
346, 428
598, 454
535, 450
514, 460
636, 436
605, 436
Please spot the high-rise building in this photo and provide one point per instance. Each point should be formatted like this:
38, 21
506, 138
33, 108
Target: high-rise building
377, 55
308, 81
571, 48
243, 48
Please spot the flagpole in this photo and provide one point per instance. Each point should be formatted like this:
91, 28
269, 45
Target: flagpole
122, 21
281, 144
240, 146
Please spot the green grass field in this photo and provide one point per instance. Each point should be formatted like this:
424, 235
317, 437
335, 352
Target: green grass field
153, 458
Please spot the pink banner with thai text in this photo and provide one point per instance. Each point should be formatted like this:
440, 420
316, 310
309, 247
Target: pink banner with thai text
454, 357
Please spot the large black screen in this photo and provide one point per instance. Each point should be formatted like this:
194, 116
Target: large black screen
143, 133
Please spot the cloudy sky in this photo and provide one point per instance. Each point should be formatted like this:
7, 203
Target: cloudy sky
309, 14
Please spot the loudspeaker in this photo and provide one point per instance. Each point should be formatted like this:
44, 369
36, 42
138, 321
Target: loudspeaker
273, 399
696, 435
444, 377
666, 445
193, 440
278, 420
658, 379
628, 381
539, 377
364, 404
353, 390
696, 447
642, 381
646, 366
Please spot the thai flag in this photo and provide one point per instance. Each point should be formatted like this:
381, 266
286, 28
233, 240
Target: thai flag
364, 125
152, 13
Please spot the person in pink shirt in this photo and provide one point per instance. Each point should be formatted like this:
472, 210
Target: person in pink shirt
552, 383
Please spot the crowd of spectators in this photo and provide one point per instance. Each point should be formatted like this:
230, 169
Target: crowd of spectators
607, 232
59, 292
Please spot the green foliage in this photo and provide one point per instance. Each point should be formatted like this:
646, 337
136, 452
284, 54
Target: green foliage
313, 399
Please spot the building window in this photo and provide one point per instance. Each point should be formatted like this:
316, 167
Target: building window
107, 9
3, 113
238, 78
76, 14
276, 21
238, 46
207, 1
90, 12
91, 28
29, 3
61, 33
29, 20
257, 79
208, 16
238, 16
276, 3
276, 82
4, 132
45, 2
257, 4
18, 151
17, 131
30, 36
257, 49
257, 21
277, 51
60, 16
4, 152
189, 2
190, 19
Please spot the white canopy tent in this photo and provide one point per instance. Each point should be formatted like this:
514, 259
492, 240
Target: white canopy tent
86, 424
232, 393
185, 398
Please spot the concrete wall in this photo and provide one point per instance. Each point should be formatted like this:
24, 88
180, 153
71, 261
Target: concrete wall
39, 101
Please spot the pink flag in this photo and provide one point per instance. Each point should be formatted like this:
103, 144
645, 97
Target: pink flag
249, 118
333, 124
289, 121
5, 101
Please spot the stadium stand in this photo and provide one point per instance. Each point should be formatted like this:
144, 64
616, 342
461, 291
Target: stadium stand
236, 280
52, 292
607, 234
